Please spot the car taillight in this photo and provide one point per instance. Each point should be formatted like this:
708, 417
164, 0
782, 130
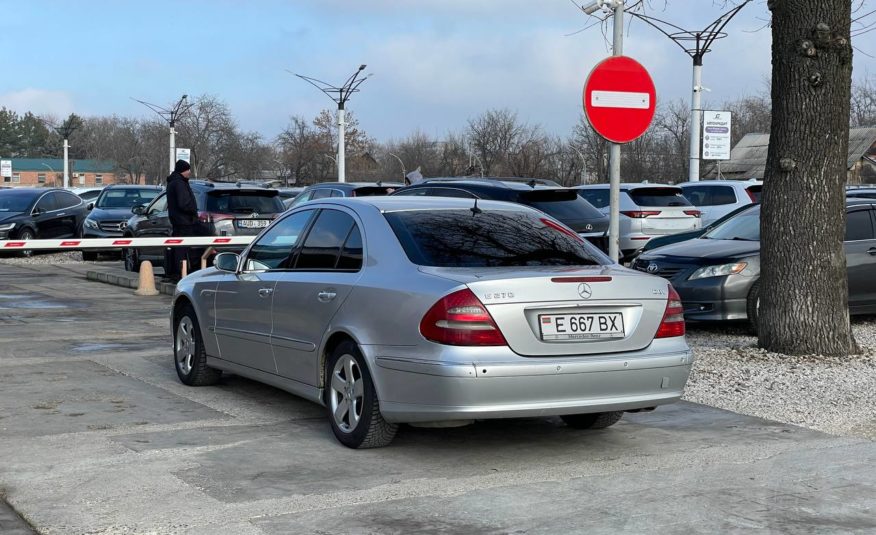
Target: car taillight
460, 319
204, 217
640, 214
673, 318
695, 213
751, 195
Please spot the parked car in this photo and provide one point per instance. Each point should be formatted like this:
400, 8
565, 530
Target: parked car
860, 192
40, 213
226, 210
669, 239
717, 198
287, 195
109, 214
87, 194
396, 309
344, 189
717, 275
560, 203
646, 211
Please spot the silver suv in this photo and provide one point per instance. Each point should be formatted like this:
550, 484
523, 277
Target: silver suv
646, 211
717, 198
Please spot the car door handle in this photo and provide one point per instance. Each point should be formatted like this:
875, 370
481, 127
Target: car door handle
326, 295
264, 292
871, 251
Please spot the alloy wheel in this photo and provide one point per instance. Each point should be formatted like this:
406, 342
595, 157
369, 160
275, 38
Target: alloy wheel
185, 345
346, 393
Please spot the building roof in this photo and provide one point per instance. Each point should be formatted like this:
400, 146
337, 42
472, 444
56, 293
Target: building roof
56, 165
748, 157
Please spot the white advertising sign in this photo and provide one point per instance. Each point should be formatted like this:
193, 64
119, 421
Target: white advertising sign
184, 154
716, 135
6, 168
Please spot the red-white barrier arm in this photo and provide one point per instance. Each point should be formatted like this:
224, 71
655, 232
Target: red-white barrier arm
123, 243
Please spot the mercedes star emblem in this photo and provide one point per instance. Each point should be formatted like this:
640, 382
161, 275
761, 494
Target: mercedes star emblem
584, 290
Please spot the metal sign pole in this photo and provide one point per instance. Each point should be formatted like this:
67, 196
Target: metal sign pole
617, 49
696, 117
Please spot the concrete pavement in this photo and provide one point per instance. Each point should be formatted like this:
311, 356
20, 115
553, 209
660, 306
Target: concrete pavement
97, 435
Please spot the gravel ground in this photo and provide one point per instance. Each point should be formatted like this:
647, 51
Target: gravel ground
834, 395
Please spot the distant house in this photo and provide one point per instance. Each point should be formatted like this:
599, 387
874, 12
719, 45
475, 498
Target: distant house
49, 172
748, 157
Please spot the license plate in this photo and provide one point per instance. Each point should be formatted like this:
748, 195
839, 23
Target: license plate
252, 223
573, 327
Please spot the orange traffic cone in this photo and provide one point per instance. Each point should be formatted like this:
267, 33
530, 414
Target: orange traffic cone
146, 285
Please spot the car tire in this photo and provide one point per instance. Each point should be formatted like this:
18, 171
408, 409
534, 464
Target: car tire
132, 260
351, 401
189, 356
26, 235
89, 256
596, 420
752, 306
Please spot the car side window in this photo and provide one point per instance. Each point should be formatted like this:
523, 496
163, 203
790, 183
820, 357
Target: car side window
158, 205
859, 226
46, 203
321, 194
322, 246
273, 250
596, 197
64, 199
451, 192
351, 252
411, 192
337, 193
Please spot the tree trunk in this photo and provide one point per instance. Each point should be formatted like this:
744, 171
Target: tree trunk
804, 287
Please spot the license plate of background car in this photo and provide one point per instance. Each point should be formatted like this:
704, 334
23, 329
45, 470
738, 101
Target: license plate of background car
577, 327
252, 223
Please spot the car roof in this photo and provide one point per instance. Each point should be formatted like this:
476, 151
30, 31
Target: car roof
485, 183
133, 186
380, 184
628, 186
751, 182
206, 185
856, 201
33, 190
404, 203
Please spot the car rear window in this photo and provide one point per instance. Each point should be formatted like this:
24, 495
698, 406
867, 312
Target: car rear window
244, 202
494, 238
562, 204
373, 191
15, 201
658, 197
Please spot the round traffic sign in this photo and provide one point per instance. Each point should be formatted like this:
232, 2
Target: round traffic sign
619, 99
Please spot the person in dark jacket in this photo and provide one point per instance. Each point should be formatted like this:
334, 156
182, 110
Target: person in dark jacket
182, 210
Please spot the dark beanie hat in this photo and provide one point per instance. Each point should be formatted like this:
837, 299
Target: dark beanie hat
181, 165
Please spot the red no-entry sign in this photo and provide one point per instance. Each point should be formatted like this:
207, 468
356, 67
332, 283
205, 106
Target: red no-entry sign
619, 99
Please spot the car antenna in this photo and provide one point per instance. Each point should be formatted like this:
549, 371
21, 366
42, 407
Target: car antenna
474, 209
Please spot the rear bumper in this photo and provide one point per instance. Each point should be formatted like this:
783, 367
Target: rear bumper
420, 391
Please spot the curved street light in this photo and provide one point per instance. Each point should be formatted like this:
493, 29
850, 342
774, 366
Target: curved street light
404, 172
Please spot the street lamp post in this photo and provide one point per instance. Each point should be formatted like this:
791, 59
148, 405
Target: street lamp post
170, 115
49, 167
583, 179
404, 173
340, 95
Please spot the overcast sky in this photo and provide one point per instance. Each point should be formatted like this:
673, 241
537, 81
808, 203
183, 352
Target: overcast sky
435, 63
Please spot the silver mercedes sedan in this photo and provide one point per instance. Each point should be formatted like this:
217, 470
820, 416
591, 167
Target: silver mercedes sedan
390, 310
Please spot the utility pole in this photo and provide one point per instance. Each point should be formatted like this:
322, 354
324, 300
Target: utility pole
340, 95
170, 116
65, 130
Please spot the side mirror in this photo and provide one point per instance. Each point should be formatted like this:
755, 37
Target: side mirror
38, 211
140, 209
90, 206
227, 262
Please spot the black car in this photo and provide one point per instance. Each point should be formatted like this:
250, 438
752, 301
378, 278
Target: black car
110, 212
717, 275
225, 209
562, 204
40, 213
344, 189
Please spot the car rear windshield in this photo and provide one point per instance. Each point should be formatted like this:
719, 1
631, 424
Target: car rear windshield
126, 197
562, 204
244, 202
744, 226
461, 238
15, 201
658, 197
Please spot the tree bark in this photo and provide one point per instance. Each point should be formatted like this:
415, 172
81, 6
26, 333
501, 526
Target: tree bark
804, 287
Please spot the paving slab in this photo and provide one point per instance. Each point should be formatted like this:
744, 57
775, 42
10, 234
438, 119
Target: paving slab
98, 436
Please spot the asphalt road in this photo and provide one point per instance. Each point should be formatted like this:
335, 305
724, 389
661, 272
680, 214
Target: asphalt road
98, 436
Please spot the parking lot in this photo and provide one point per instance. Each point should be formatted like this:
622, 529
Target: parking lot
97, 435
